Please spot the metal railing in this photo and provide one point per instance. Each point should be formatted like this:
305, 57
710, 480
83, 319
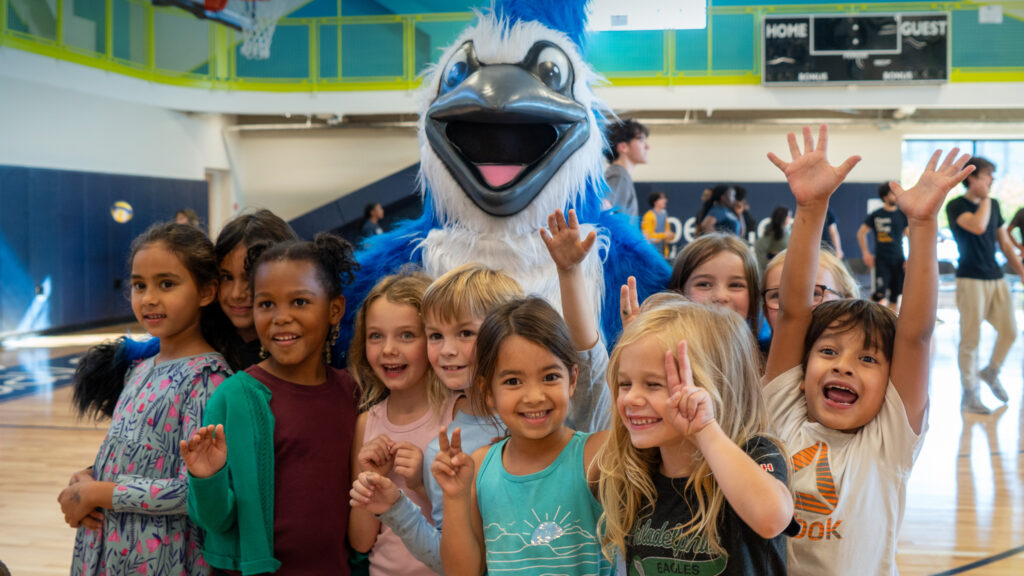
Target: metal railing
389, 52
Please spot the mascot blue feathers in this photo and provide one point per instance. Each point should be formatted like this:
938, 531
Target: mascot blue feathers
509, 132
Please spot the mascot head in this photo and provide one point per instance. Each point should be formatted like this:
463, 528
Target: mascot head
508, 132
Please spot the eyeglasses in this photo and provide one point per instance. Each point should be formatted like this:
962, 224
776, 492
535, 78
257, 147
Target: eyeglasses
771, 296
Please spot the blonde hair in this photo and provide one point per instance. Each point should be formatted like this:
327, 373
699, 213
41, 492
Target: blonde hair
707, 247
472, 289
723, 357
406, 287
845, 284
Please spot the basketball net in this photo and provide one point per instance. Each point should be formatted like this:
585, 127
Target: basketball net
263, 16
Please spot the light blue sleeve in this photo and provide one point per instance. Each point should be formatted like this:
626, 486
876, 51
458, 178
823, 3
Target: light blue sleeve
590, 410
421, 539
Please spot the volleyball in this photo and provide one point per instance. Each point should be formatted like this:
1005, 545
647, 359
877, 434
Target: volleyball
121, 211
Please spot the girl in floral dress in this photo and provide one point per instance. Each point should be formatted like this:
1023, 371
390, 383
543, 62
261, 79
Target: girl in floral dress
130, 506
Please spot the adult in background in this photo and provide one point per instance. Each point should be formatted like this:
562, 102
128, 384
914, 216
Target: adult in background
719, 213
372, 215
627, 147
776, 236
889, 226
981, 291
655, 223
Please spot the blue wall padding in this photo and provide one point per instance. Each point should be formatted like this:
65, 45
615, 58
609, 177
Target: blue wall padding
397, 193
56, 224
848, 204
391, 192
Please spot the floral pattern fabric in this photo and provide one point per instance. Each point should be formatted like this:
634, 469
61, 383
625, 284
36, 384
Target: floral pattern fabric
149, 531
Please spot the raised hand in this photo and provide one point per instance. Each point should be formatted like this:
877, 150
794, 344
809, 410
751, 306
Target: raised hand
206, 452
629, 301
373, 492
924, 199
452, 468
563, 240
810, 176
688, 408
408, 460
376, 456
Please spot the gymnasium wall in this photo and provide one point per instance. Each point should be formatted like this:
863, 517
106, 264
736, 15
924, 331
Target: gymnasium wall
65, 157
59, 127
62, 255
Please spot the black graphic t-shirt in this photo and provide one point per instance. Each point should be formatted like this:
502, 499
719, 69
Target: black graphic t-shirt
655, 548
888, 227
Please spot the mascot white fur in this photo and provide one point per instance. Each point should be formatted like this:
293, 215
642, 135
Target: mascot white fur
510, 131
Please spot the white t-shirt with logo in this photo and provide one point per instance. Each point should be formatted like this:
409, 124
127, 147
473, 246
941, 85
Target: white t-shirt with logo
850, 488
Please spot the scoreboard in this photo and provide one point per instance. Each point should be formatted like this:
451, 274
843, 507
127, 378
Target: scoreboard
855, 49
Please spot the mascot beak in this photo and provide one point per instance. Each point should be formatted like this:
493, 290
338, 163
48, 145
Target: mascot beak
504, 130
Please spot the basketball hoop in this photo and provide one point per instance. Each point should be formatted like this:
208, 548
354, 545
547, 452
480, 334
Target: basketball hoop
263, 16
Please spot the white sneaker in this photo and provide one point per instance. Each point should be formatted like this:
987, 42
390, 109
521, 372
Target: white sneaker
991, 377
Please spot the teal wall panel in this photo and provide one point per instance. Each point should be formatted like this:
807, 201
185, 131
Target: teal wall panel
329, 51
732, 45
612, 52
289, 56
14, 22
691, 50
986, 45
371, 50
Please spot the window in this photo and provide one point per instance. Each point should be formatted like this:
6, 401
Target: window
616, 15
1008, 186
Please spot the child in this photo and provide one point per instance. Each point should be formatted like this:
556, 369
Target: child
833, 281
138, 479
242, 347
854, 435
266, 468
535, 486
719, 269
454, 307
690, 480
234, 335
405, 406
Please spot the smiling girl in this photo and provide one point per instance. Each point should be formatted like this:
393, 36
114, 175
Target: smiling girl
405, 403
130, 506
691, 482
719, 270
266, 469
536, 486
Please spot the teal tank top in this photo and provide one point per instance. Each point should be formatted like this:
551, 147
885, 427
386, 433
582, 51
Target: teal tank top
540, 523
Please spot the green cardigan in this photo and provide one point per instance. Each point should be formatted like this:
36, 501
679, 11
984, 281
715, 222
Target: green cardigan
236, 505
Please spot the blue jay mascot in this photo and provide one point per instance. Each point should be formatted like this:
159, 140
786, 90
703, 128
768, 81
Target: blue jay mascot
509, 131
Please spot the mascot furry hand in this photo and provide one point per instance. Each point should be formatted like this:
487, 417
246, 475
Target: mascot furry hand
509, 133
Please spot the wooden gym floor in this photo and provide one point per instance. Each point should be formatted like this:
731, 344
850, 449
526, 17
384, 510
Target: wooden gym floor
965, 508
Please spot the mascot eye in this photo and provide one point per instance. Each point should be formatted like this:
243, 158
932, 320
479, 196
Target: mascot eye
459, 67
456, 73
553, 68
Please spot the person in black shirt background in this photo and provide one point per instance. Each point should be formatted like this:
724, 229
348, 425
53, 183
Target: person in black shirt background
889, 226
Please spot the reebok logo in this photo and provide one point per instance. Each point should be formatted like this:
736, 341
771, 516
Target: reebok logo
824, 502
824, 498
